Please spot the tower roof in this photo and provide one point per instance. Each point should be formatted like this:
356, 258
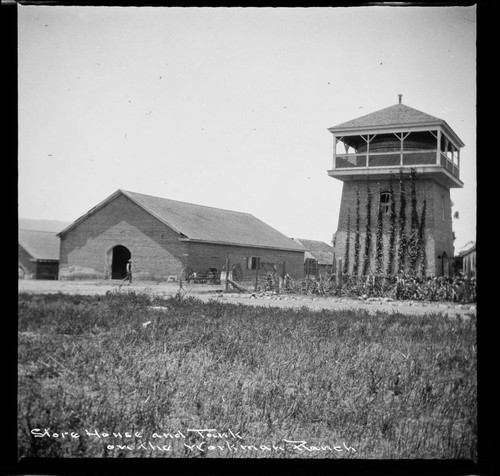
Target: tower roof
399, 115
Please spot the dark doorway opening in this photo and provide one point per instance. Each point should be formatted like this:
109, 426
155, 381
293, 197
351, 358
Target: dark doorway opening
119, 259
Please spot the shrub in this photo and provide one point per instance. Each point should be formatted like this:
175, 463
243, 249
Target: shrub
404, 287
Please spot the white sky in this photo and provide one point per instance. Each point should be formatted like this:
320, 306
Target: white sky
229, 107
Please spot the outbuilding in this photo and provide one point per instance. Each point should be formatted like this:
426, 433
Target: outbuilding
38, 254
163, 237
467, 258
318, 258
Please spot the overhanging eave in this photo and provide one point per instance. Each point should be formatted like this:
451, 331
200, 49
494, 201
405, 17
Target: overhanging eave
437, 173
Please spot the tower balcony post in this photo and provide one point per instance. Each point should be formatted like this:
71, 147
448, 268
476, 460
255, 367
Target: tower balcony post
438, 147
334, 151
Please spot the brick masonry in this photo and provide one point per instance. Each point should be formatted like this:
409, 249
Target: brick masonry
86, 250
207, 255
438, 229
157, 251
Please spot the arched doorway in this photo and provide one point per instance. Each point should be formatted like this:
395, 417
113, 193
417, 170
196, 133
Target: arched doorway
119, 257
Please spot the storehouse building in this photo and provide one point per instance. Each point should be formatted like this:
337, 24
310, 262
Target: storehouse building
397, 166
38, 255
163, 237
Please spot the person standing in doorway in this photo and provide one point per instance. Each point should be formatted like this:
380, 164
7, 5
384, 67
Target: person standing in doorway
129, 272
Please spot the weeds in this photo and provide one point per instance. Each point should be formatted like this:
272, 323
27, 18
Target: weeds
457, 289
388, 385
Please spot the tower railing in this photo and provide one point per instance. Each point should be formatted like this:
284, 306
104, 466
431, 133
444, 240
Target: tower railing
395, 159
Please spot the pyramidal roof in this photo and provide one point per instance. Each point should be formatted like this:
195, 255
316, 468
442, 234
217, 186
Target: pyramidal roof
396, 116
399, 114
202, 223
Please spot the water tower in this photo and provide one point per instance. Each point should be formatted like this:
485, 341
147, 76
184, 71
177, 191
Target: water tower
382, 158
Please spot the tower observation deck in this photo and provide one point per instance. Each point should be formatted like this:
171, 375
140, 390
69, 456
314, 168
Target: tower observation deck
396, 139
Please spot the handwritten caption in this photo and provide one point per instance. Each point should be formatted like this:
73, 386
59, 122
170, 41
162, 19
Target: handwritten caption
192, 439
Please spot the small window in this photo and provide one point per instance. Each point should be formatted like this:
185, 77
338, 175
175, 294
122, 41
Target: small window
442, 206
385, 201
254, 262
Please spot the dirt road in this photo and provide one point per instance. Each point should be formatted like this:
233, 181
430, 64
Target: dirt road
207, 292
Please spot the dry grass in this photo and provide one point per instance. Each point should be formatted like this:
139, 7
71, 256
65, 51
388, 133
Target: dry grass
387, 385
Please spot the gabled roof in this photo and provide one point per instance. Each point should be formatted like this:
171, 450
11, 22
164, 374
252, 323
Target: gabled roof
41, 245
398, 115
204, 224
317, 250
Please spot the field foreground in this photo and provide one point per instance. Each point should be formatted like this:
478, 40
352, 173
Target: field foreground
208, 292
137, 374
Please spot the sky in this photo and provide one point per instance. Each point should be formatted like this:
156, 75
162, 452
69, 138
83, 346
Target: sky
229, 107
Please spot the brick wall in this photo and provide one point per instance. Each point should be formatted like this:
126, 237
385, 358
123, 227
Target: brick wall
206, 255
443, 232
438, 231
155, 248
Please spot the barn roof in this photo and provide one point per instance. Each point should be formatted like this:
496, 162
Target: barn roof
201, 223
41, 245
398, 115
318, 250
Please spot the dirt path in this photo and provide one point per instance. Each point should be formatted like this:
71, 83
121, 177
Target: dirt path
206, 293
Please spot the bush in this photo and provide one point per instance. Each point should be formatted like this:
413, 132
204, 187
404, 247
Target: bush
404, 287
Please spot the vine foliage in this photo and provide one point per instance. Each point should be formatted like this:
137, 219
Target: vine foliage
413, 241
356, 236
379, 244
421, 240
392, 229
368, 234
403, 241
345, 268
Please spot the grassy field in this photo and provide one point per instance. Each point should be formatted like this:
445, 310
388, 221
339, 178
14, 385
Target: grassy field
130, 375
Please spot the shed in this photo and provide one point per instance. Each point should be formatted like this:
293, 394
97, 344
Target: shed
468, 260
163, 237
38, 255
318, 258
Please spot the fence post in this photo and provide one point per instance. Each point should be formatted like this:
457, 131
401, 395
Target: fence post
281, 276
227, 274
256, 275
